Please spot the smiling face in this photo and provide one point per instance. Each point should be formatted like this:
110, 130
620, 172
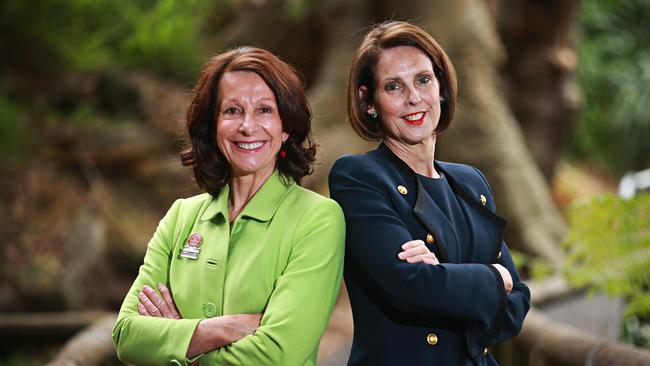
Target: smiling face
407, 98
249, 128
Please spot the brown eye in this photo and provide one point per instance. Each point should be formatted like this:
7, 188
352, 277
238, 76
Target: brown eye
424, 80
391, 86
232, 110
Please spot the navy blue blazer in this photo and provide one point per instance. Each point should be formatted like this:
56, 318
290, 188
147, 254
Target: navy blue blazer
420, 314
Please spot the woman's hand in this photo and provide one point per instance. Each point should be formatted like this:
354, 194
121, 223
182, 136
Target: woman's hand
505, 275
211, 333
152, 304
416, 251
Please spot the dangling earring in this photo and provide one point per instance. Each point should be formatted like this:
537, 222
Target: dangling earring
372, 114
442, 99
283, 152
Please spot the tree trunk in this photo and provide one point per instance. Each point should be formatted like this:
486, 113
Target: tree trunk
331, 129
539, 38
553, 343
92, 346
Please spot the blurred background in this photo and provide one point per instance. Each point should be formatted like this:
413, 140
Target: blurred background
554, 106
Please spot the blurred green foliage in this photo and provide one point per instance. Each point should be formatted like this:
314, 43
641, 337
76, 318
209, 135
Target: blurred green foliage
298, 9
608, 250
18, 359
12, 132
531, 267
13, 357
57, 36
614, 73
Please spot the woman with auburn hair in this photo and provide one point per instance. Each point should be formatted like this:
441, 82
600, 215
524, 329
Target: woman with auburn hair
429, 278
246, 273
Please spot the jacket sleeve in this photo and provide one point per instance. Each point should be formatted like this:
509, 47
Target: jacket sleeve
144, 340
302, 300
375, 234
516, 304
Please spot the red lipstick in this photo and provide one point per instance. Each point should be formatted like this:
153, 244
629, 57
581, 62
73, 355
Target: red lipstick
415, 119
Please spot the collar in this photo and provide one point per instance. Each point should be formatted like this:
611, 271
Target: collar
383, 148
458, 187
263, 204
406, 169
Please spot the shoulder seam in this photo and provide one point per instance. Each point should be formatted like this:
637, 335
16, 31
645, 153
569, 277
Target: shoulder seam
480, 174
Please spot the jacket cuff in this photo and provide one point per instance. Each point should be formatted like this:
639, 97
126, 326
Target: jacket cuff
501, 310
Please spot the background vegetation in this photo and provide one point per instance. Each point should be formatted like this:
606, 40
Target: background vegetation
92, 95
614, 75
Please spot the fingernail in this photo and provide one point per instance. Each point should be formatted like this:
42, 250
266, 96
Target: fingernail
401, 255
160, 285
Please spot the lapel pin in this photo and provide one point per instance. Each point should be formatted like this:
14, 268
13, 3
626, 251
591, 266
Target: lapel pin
483, 200
191, 249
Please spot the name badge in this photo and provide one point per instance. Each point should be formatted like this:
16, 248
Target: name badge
191, 249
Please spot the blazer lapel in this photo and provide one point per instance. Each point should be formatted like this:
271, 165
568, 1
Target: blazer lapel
437, 223
428, 213
486, 227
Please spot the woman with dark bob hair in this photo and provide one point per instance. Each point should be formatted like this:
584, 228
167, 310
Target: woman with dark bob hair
429, 278
246, 273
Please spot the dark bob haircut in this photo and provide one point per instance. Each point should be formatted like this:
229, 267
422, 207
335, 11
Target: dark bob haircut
362, 72
211, 169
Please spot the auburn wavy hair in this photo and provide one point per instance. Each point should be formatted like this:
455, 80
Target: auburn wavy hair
210, 167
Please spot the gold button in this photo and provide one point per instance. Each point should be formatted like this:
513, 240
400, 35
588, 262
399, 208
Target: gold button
499, 255
401, 189
485, 352
483, 200
432, 339
430, 238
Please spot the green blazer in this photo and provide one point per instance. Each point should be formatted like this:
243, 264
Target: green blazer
283, 256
